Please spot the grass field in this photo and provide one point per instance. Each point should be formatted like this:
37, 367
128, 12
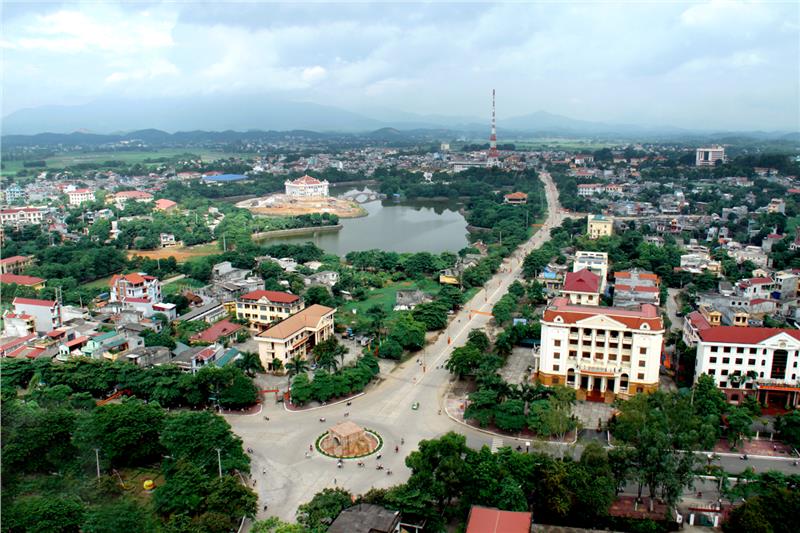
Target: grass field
562, 144
180, 253
384, 297
101, 283
180, 285
68, 159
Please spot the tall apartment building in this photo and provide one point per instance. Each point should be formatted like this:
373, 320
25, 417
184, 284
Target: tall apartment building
602, 352
296, 336
261, 308
708, 157
752, 361
599, 226
594, 262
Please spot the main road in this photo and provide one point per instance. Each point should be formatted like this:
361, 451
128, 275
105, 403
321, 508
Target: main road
284, 477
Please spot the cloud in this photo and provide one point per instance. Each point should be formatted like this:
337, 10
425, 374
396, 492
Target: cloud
158, 68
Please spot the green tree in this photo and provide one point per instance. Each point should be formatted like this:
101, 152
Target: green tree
40, 514
788, 425
317, 294
451, 296
511, 497
438, 468
329, 354
432, 314
117, 516
323, 509
250, 363
301, 389
478, 339
407, 332
510, 415
297, 365
464, 360
322, 388
390, 349
740, 426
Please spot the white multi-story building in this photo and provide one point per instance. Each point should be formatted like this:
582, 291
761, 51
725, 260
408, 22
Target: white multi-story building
46, 313
139, 292
21, 216
78, 196
599, 226
752, 361
122, 197
582, 287
295, 336
263, 308
601, 351
306, 187
708, 157
594, 262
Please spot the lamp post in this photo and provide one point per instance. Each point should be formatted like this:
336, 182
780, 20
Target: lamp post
219, 462
97, 460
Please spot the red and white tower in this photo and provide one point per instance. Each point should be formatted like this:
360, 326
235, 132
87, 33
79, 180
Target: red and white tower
494, 156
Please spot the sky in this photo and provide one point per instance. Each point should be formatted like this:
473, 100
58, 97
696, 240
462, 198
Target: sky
715, 64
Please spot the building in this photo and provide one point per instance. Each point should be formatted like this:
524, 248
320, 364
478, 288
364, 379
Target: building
366, 518
13, 194
595, 262
708, 157
634, 287
407, 300
777, 205
139, 292
306, 187
165, 205
167, 240
23, 281
18, 325
590, 189
221, 332
123, 197
15, 264
79, 196
582, 287
599, 226
296, 336
21, 216
490, 520
261, 308
46, 313
752, 361
208, 313
602, 352
516, 198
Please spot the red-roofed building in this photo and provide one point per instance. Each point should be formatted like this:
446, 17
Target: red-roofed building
24, 281
18, 324
46, 313
79, 196
20, 216
306, 187
222, 332
602, 352
582, 287
15, 264
122, 197
136, 290
8, 347
490, 520
752, 361
516, 198
165, 205
262, 308
635, 287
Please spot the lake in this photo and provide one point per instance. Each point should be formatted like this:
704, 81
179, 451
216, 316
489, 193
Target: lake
406, 226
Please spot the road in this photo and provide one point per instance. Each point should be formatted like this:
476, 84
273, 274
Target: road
284, 477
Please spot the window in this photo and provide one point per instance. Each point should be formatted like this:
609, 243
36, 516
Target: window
727, 349
557, 355
642, 363
556, 342
726, 360
573, 353
640, 375
761, 375
556, 368
723, 384
724, 371
712, 359
735, 397
763, 363
642, 351
740, 350
714, 349
587, 355
626, 358
639, 389
751, 362
612, 356
753, 351
711, 371
556, 381
738, 360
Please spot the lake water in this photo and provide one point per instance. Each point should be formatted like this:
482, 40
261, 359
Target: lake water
413, 226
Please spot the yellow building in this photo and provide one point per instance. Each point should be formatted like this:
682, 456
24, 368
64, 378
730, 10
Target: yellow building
599, 226
296, 336
261, 308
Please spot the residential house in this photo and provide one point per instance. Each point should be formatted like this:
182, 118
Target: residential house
634, 287
121, 198
46, 313
210, 313
165, 205
491, 520
79, 196
222, 332
18, 324
599, 226
516, 198
595, 262
582, 287
23, 281
328, 278
140, 292
406, 300
366, 518
22, 216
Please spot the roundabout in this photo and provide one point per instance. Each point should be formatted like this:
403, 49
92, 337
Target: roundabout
348, 440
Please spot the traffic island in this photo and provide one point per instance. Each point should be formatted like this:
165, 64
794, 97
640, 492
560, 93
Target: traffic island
348, 440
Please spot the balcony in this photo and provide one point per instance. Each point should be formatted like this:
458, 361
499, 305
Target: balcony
777, 383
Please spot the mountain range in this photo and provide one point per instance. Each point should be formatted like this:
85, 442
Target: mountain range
243, 113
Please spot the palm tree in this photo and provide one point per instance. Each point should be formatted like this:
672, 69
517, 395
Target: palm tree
250, 363
276, 364
296, 366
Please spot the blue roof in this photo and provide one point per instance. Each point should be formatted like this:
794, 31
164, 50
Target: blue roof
226, 177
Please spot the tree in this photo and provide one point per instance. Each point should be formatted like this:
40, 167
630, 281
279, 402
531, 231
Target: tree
323, 509
481, 406
432, 314
751, 517
788, 425
301, 389
478, 339
151, 338
184, 490
438, 468
273, 524
318, 294
511, 497
407, 332
126, 433
739, 426
40, 514
228, 497
390, 349
322, 388
377, 316
117, 516
196, 435
510, 415
297, 365
328, 352
250, 363
464, 360
451, 296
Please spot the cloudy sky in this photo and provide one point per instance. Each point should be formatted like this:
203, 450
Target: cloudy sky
716, 64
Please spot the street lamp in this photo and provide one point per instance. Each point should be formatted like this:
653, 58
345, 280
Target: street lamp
97, 460
219, 461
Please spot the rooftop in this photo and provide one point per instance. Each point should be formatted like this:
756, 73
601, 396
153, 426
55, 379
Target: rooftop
489, 520
272, 296
20, 280
306, 180
582, 281
223, 328
34, 301
308, 317
633, 318
742, 335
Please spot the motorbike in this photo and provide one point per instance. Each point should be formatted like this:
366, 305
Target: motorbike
379, 467
322, 419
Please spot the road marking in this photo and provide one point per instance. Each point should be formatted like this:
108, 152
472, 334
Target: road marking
497, 443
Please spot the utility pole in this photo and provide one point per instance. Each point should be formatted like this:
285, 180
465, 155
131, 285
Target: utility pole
219, 462
97, 460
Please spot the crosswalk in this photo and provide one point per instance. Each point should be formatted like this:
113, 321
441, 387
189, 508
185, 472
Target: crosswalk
497, 443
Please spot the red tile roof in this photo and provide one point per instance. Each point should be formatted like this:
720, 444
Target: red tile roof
134, 278
743, 335
633, 318
516, 196
641, 275
34, 301
487, 520
14, 259
163, 203
20, 280
583, 280
306, 180
272, 296
223, 328
133, 194
697, 320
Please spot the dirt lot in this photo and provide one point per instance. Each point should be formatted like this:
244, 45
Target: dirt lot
282, 205
180, 253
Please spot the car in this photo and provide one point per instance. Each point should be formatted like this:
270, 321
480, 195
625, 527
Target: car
415, 406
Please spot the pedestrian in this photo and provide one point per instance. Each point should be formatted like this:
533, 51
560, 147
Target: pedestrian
265, 506
254, 482
263, 471
310, 448
334, 481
